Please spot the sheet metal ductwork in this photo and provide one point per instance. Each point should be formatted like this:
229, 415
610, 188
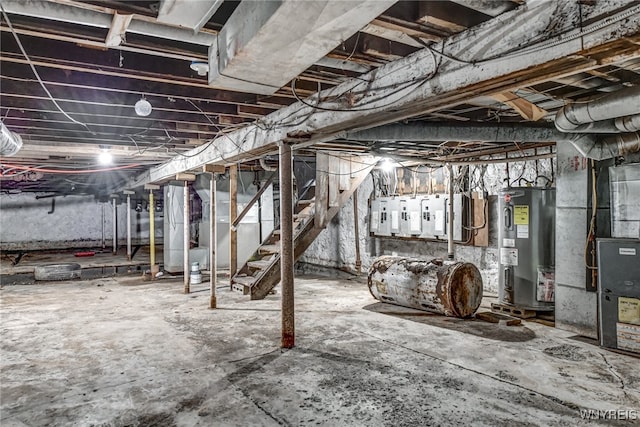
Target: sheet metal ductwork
599, 148
617, 113
10, 142
613, 113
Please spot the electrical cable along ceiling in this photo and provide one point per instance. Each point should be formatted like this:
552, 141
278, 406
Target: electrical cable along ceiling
152, 83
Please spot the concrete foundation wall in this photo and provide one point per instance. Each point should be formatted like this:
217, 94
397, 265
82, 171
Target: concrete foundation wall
335, 247
76, 222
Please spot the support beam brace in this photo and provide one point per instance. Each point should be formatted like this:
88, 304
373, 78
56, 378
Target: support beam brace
102, 18
252, 202
509, 51
253, 37
462, 132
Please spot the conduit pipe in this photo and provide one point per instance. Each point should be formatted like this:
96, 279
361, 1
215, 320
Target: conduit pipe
265, 166
10, 142
595, 116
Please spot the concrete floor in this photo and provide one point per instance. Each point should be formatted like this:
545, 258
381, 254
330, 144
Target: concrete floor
103, 259
123, 352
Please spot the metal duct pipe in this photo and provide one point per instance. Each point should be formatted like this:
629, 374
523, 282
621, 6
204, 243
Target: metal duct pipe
597, 148
266, 167
10, 142
628, 124
621, 103
620, 124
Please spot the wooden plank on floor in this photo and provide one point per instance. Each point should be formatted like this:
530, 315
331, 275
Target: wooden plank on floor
488, 316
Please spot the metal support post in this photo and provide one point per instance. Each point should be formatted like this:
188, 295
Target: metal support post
213, 257
286, 244
187, 237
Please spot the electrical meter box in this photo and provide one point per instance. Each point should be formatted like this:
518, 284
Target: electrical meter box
415, 219
384, 228
423, 216
374, 216
394, 213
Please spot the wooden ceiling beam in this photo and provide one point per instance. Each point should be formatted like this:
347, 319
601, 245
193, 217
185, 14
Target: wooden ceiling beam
401, 90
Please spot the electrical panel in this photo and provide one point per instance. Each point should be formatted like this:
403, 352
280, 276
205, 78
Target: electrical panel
424, 216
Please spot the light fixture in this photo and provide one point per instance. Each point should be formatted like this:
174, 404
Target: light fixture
388, 165
143, 107
202, 68
10, 142
105, 158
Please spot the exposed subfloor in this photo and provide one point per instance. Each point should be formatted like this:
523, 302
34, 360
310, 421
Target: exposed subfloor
121, 351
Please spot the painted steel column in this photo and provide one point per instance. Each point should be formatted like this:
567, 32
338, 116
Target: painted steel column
233, 214
213, 257
356, 230
187, 237
104, 243
114, 247
450, 247
152, 231
286, 245
129, 227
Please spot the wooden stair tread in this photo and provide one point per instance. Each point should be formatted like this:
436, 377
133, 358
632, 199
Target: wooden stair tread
269, 249
244, 280
261, 264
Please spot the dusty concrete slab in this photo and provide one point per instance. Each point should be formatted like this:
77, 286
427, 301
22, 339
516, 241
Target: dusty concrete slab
102, 258
119, 351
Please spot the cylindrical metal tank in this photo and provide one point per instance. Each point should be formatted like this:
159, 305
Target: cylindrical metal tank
526, 238
452, 289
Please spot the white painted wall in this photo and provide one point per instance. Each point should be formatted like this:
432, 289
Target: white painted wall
76, 222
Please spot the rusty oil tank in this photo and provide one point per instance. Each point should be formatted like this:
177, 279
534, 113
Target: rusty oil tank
453, 288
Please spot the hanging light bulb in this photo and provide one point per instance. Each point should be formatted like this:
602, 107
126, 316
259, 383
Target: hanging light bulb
143, 107
105, 158
388, 165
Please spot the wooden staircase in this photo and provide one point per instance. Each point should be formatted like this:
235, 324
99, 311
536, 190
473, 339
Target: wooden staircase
335, 184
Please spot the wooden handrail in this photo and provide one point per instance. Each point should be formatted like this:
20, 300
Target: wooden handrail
252, 202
